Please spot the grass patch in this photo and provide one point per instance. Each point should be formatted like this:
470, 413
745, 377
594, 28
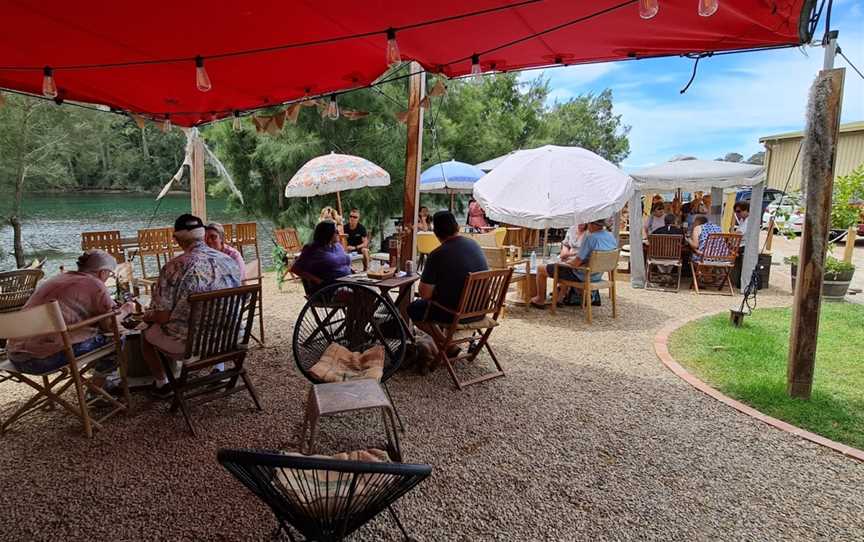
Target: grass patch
749, 364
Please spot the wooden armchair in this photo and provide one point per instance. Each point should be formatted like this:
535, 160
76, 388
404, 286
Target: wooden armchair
253, 276
602, 261
476, 316
246, 235
220, 326
47, 319
109, 241
156, 243
716, 261
16, 287
664, 251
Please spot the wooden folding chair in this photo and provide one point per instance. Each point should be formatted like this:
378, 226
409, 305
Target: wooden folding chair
716, 261
47, 319
253, 276
220, 326
473, 321
229, 233
664, 250
246, 235
601, 261
109, 241
156, 243
289, 241
16, 287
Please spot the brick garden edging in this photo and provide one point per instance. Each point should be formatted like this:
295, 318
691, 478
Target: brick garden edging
661, 347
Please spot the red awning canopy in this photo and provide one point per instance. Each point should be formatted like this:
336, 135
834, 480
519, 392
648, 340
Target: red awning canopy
140, 57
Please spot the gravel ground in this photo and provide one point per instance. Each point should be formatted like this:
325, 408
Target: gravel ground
587, 437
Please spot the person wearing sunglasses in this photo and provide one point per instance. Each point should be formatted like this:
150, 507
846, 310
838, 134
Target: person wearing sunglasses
357, 238
82, 294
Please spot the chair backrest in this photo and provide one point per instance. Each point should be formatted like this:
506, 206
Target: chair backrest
310, 282
288, 239
487, 239
246, 234
156, 241
502, 257
500, 235
109, 241
603, 261
484, 293
721, 247
427, 242
229, 233
252, 272
16, 287
665, 247
220, 322
324, 499
40, 320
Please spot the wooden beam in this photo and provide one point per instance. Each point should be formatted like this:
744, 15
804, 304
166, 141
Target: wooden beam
196, 181
819, 155
413, 159
849, 249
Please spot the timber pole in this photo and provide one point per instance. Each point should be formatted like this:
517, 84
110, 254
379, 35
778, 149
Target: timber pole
196, 181
413, 159
820, 153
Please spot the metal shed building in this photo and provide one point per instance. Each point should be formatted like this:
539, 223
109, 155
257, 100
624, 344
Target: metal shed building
781, 150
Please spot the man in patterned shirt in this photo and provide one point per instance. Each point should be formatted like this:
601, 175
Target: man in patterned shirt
199, 269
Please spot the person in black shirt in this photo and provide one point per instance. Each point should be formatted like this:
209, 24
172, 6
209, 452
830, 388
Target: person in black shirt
670, 227
357, 238
447, 267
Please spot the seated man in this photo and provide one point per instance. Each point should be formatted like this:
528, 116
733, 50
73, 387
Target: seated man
447, 267
670, 226
199, 269
81, 294
323, 258
598, 238
357, 238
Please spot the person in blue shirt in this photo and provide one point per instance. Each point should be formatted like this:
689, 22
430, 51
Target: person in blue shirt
598, 238
324, 257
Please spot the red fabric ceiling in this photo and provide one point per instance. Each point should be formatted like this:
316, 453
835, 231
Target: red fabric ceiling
64, 34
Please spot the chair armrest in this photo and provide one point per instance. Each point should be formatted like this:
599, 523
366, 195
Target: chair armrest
442, 307
93, 320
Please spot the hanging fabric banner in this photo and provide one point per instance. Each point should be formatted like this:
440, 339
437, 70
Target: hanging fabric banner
269, 124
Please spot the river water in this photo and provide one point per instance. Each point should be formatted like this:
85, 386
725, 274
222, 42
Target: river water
52, 223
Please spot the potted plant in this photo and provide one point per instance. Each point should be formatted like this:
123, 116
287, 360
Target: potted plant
835, 281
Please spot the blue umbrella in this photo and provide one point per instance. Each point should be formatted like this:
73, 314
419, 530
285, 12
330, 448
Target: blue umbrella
450, 177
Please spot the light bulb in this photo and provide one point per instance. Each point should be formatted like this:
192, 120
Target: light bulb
333, 109
649, 8
202, 80
238, 127
166, 124
393, 56
708, 8
475, 65
49, 88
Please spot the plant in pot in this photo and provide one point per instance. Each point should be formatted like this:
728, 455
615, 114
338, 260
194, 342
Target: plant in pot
835, 281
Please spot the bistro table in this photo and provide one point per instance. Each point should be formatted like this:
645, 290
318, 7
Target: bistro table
403, 285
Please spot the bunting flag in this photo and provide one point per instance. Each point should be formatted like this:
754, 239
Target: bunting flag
401, 116
292, 113
440, 89
271, 124
309, 103
425, 102
139, 120
351, 114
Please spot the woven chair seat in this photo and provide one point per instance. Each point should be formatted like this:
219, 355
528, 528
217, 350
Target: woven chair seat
663, 261
717, 263
485, 323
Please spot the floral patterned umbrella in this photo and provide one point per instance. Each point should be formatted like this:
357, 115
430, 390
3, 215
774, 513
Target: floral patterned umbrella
333, 173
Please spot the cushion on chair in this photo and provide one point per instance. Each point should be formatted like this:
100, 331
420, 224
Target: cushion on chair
485, 323
338, 364
716, 263
662, 261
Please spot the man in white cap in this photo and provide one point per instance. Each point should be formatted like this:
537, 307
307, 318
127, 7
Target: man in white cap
81, 294
199, 269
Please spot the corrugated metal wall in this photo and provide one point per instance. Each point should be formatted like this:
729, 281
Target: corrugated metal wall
850, 154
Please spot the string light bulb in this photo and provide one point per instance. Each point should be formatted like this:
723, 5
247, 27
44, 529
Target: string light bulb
202, 80
475, 65
166, 124
649, 8
393, 56
49, 87
238, 127
708, 8
333, 108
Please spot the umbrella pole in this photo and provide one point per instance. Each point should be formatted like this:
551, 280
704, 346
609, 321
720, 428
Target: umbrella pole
545, 241
452, 201
339, 203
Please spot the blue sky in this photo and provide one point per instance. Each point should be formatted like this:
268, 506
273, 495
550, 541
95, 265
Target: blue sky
735, 99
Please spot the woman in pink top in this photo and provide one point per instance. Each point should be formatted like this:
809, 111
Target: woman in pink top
476, 215
215, 239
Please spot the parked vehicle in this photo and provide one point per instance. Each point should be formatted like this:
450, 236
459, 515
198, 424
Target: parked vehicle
788, 213
770, 196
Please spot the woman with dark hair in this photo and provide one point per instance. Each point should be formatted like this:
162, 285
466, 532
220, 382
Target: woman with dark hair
324, 258
476, 215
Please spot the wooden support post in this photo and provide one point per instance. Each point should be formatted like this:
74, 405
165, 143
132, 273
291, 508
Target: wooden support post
728, 218
339, 205
196, 180
820, 153
413, 159
769, 243
849, 249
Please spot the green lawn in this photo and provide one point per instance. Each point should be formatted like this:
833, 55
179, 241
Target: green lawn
749, 364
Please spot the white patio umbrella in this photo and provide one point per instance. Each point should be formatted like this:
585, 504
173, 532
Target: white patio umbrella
553, 187
333, 173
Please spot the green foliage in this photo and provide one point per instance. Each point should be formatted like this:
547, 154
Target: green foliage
832, 264
749, 364
848, 190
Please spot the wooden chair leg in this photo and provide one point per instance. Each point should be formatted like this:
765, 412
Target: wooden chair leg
49, 405
680, 272
554, 291
251, 389
586, 299
614, 300
695, 272
82, 402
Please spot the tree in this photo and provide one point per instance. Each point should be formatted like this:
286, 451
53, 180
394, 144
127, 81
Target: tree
731, 157
757, 159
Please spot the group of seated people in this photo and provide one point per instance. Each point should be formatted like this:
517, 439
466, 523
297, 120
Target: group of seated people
660, 222
83, 294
